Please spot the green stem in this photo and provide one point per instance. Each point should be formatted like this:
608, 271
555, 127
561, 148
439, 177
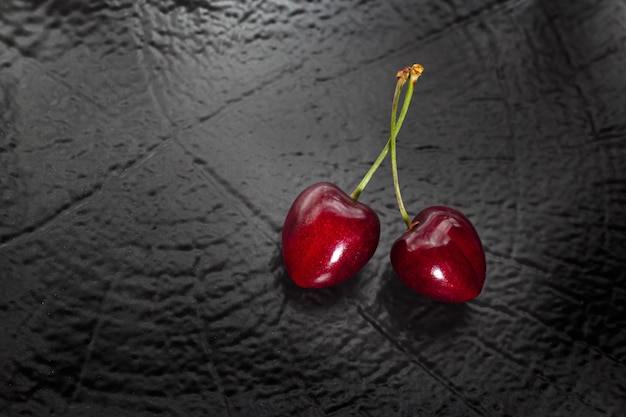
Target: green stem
415, 72
394, 162
412, 74
370, 173
381, 156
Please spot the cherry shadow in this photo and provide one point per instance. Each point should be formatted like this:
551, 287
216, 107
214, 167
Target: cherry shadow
410, 311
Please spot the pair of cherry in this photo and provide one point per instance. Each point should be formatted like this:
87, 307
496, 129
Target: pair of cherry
329, 236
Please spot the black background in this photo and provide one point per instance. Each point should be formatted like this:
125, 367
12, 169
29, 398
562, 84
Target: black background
150, 150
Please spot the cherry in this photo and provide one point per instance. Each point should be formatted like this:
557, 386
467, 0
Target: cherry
327, 236
441, 256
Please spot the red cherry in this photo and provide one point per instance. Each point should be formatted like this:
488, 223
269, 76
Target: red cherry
441, 257
327, 236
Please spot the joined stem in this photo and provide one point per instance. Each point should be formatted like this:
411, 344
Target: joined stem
415, 72
411, 74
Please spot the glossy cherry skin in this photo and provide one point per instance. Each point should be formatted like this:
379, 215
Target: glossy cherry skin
327, 237
441, 257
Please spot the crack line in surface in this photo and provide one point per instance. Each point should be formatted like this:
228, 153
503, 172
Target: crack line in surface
484, 345
209, 173
560, 333
595, 133
43, 224
379, 329
55, 76
281, 310
540, 376
258, 89
211, 364
145, 56
353, 68
527, 263
92, 341
518, 210
505, 97
564, 336
204, 340
68, 208
460, 20
471, 16
577, 87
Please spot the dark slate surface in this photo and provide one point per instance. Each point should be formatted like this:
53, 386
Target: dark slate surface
150, 150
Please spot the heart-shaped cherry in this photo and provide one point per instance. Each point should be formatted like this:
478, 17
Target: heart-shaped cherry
441, 256
327, 236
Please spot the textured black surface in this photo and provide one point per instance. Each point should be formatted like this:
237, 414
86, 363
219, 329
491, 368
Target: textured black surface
150, 150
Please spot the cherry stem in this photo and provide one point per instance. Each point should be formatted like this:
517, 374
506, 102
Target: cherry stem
402, 77
412, 74
415, 72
